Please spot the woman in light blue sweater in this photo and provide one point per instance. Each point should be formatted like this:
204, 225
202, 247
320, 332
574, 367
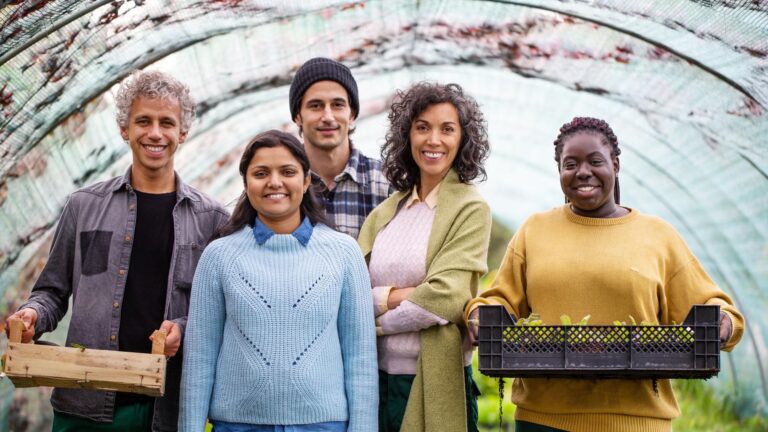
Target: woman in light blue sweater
281, 329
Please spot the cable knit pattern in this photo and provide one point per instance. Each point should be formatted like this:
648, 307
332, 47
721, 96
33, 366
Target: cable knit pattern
280, 334
402, 264
456, 257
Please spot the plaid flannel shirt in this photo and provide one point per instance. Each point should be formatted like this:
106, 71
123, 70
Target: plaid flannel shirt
358, 190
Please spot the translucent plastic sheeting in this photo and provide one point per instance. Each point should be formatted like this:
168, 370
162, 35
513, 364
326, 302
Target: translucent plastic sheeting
683, 83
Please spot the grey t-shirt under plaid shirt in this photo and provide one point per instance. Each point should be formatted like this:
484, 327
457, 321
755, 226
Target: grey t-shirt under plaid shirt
358, 190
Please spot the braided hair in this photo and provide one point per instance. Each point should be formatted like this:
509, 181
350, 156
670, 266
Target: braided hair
593, 126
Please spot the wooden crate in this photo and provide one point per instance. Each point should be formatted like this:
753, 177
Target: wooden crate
31, 365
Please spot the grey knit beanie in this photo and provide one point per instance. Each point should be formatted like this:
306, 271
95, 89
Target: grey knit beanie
322, 69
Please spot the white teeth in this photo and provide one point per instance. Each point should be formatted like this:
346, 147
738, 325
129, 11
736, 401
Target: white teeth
585, 188
276, 196
155, 148
432, 154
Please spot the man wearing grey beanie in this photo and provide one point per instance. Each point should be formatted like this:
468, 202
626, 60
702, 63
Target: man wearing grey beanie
324, 105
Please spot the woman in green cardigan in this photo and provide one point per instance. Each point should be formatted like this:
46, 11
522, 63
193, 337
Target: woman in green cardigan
426, 249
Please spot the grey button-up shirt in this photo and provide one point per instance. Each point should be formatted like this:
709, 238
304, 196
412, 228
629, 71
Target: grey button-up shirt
89, 260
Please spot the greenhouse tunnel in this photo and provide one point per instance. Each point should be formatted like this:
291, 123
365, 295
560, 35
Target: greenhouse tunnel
683, 83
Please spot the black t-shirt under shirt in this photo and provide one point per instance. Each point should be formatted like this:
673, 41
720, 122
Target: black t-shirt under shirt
147, 284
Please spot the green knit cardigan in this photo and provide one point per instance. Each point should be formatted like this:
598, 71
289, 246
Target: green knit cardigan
456, 259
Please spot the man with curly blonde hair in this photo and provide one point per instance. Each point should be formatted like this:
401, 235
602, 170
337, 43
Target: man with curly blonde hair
125, 250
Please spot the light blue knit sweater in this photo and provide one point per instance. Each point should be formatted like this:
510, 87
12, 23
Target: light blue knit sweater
280, 333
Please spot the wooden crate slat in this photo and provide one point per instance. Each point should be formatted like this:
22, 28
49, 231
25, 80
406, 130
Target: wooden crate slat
26, 366
22, 382
158, 341
40, 365
87, 357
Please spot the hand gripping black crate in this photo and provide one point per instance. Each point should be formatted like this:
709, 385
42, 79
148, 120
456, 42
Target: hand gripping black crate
689, 350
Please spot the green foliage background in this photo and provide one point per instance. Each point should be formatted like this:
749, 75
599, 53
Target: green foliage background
701, 409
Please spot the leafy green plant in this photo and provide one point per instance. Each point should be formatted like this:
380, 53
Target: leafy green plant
532, 320
489, 402
566, 320
703, 410
700, 407
655, 334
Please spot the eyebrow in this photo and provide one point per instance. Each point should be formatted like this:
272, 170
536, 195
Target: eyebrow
594, 153
281, 166
147, 116
336, 99
443, 123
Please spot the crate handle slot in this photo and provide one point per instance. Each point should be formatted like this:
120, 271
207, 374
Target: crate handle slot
17, 327
703, 315
158, 341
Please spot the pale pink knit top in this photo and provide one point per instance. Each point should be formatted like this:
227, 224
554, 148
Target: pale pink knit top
398, 260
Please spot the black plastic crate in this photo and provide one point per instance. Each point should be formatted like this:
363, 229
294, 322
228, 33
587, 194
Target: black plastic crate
689, 350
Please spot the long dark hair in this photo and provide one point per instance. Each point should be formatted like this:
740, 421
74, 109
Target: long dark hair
396, 157
244, 214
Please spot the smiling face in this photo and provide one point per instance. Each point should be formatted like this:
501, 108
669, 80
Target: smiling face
435, 136
325, 115
153, 133
588, 175
275, 184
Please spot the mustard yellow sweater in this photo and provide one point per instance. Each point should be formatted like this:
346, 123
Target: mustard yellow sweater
560, 263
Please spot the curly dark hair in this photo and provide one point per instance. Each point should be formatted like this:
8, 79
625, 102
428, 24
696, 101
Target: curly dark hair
399, 167
594, 126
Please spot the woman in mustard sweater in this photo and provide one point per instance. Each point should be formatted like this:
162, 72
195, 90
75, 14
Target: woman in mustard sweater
426, 248
593, 256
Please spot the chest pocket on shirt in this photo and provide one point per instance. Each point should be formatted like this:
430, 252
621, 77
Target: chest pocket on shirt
94, 251
187, 256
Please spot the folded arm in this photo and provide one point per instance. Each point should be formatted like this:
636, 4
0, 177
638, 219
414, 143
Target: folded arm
454, 273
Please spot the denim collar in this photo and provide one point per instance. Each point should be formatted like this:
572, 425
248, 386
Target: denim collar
262, 233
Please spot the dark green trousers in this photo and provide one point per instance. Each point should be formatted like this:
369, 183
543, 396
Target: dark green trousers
129, 418
524, 426
393, 397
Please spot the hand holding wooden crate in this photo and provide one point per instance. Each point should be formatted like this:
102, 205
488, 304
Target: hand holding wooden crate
32, 365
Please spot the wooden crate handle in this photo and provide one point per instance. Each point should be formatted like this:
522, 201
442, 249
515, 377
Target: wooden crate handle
17, 327
158, 341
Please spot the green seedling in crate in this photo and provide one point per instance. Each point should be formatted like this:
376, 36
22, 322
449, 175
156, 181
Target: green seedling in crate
654, 334
566, 320
533, 320
676, 334
534, 335
524, 337
576, 336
